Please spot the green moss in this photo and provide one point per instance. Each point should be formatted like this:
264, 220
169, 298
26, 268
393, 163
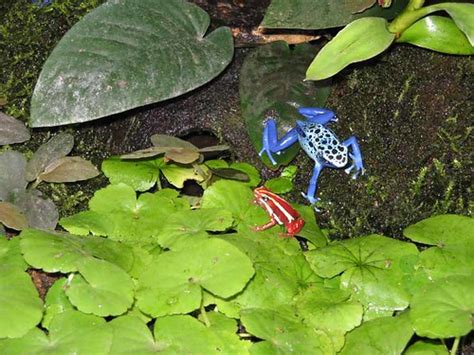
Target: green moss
28, 33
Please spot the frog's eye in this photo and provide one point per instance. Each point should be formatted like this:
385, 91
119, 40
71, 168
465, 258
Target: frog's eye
265, 198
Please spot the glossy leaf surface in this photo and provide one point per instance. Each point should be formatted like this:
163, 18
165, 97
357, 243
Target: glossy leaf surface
318, 14
439, 34
126, 54
358, 41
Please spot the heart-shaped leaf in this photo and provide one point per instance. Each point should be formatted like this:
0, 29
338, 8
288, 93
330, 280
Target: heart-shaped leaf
69, 169
57, 147
127, 54
271, 81
172, 283
358, 41
12, 174
12, 217
12, 130
444, 308
318, 14
439, 34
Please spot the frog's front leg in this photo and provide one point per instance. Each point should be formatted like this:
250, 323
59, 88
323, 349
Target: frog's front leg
356, 156
318, 115
271, 143
313, 183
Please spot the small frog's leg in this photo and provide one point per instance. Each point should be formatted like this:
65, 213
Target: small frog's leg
271, 143
356, 156
318, 115
313, 184
267, 225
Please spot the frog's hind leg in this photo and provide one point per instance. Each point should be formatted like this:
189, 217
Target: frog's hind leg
313, 184
271, 143
356, 156
318, 115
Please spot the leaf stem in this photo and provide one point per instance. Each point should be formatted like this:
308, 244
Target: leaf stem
454, 348
415, 4
204, 315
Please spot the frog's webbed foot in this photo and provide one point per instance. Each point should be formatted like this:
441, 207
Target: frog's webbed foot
318, 115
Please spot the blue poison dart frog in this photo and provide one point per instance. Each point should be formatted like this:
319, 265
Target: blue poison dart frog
318, 141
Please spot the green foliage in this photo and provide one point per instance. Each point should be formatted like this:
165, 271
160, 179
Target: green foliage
122, 55
319, 14
193, 272
271, 82
358, 41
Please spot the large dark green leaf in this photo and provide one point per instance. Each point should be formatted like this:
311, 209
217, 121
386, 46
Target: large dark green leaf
439, 34
360, 40
126, 54
271, 81
317, 14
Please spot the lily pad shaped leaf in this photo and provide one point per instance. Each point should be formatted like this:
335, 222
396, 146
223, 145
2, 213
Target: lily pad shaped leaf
422, 347
128, 218
360, 40
185, 227
370, 267
21, 308
444, 308
271, 84
69, 332
54, 252
10, 255
127, 54
386, 335
12, 130
102, 288
284, 333
173, 282
443, 230
56, 301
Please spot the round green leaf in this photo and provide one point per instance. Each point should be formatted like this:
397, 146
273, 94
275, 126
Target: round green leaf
422, 347
126, 54
318, 14
54, 252
140, 175
102, 288
21, 308
184, 227
279, 185
271, 81
443, 230
439, 34
358, 41
386, 335
371, 268
285, 333
444, 308
70, 332
172, 283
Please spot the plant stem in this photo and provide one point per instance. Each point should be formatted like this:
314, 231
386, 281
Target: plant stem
454, 348
414, 4
204, 315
